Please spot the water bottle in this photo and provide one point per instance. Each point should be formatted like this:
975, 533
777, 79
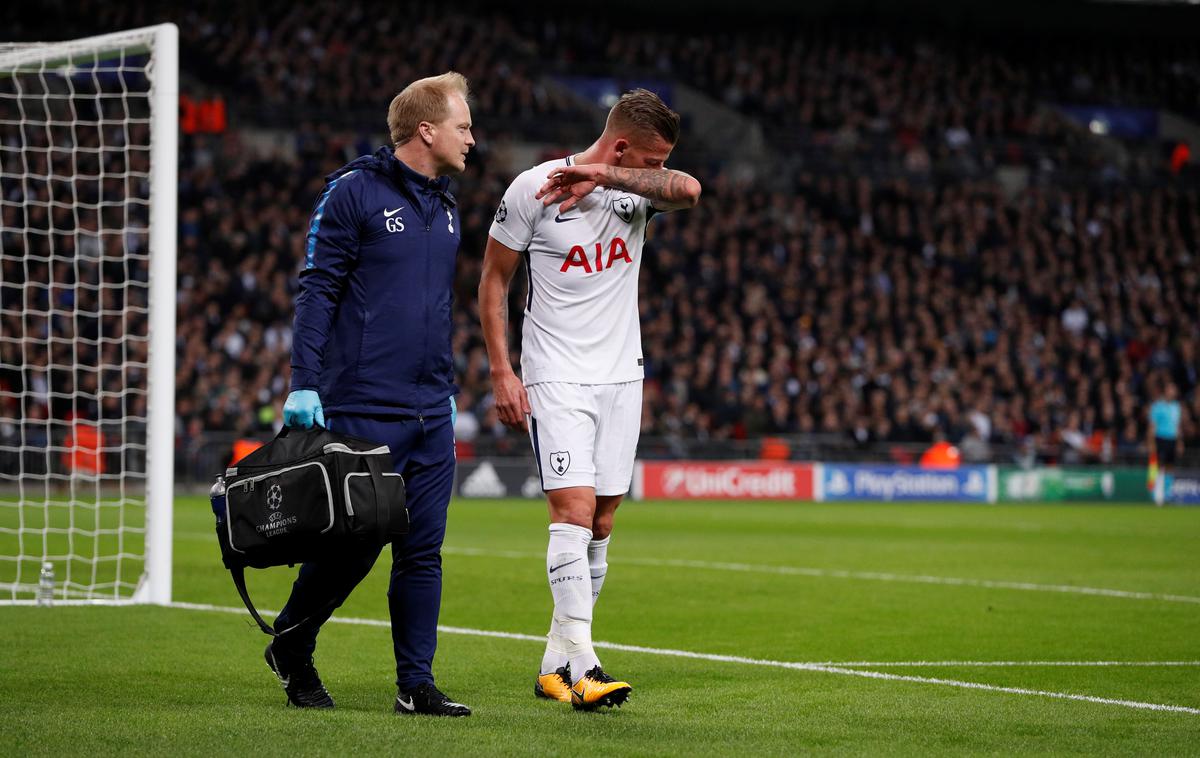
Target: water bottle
216, 496
45, 594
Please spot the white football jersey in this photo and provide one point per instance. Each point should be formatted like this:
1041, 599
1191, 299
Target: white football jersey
581, 315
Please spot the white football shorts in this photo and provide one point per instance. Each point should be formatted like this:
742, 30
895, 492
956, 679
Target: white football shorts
585, 435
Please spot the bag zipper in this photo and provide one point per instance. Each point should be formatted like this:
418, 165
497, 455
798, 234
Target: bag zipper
339, 447
251, 480
229, 472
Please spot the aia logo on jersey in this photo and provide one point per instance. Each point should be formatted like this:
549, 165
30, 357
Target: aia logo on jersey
578, 257
623, 206
560, 462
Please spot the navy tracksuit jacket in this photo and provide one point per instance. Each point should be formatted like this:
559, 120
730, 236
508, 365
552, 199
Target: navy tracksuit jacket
372, 337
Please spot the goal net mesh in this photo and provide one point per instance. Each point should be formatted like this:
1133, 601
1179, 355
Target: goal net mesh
75, 126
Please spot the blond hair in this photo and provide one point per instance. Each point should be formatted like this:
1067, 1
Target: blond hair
423, 100
643, 112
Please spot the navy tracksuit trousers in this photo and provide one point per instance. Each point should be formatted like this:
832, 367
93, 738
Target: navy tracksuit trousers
423, 453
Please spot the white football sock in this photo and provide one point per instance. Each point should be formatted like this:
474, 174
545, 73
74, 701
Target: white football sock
555, 656
598, 565
570, 636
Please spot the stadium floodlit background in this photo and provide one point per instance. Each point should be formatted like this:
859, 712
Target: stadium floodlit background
921, 224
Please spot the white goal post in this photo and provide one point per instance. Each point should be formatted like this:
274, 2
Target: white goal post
88, 188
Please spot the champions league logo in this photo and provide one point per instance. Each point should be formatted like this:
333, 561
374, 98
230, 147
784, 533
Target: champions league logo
623, 206
278, 523
501, 213
275, 497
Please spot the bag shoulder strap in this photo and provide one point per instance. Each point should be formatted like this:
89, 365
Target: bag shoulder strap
239, 581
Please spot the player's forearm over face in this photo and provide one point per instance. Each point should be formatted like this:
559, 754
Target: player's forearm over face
666, 188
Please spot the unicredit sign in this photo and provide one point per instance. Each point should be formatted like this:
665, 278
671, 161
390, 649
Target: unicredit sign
750, 480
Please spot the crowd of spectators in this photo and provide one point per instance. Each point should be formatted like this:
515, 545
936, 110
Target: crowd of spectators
825, 76
889, 93
824, 303
898, 314
881, 312
888, 100
74, 271
277, 63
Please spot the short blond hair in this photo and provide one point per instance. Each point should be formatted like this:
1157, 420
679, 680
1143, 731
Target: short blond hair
423, 100
641, 111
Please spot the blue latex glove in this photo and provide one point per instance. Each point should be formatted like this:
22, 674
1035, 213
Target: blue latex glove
302, 409
453, 411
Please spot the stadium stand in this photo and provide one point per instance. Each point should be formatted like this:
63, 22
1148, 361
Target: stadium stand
884, 289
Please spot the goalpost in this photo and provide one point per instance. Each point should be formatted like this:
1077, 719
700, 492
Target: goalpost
87, 317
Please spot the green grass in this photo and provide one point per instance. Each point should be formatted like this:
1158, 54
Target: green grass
139, 680
81, 532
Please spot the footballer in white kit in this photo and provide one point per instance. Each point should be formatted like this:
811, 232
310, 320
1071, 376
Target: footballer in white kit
581, 343
578, 225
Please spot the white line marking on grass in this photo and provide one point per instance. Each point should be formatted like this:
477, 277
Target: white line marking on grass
1016, 664
899, 677
879, 576
1010, 690
794, 665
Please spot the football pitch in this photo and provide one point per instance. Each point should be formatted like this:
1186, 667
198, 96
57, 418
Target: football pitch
745, 629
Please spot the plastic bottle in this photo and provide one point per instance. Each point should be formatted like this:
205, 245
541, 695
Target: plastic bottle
45, 593
216, 496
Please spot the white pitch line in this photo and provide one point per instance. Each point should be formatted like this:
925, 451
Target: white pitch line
864, 575
1011, 690
877, 576
794, 665
1014, 664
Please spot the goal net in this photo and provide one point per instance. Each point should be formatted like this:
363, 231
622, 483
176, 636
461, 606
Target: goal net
87, 317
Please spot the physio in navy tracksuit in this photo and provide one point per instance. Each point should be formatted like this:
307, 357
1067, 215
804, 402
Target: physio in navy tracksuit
371, 357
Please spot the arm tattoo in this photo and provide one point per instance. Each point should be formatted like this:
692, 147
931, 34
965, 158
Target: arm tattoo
664, 185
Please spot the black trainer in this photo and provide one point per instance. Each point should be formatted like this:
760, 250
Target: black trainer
301, 683
427, 700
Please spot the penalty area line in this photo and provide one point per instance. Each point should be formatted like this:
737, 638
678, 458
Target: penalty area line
839, 669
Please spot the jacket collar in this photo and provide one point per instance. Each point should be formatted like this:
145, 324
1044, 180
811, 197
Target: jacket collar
411, 180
